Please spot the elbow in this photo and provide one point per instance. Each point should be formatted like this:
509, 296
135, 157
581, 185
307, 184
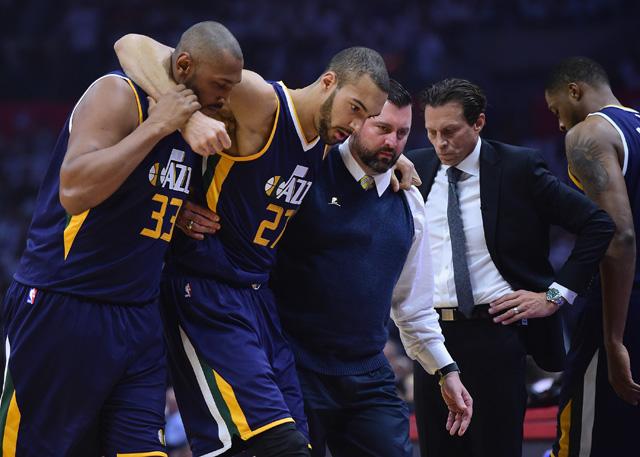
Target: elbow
625, 238
71, 202
125, 42
71, 197
623, 246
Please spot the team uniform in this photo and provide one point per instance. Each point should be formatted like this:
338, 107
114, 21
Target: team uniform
593, 420
85, 372
232, 370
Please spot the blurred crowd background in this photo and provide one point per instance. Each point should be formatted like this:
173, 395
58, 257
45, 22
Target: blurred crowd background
52, 50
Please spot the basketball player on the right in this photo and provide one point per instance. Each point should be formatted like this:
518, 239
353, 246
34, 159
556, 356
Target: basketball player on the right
599, 405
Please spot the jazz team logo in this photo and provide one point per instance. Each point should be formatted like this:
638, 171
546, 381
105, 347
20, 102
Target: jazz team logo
175, 175
293, 190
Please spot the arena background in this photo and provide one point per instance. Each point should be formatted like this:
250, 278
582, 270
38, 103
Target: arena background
52, 50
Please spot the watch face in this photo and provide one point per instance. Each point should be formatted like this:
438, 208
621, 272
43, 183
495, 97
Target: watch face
553, 294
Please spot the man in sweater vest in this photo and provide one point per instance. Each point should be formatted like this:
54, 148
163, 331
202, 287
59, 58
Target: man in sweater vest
355, 252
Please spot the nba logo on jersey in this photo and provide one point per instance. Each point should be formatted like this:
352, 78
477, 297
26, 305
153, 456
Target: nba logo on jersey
176, 175
293, 190
32, 295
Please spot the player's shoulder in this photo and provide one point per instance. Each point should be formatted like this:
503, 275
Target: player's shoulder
596, 127
254, 103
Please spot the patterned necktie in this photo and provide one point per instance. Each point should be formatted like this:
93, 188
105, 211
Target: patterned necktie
367, 182
461, 278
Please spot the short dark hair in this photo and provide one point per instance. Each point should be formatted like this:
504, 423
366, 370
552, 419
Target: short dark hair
576, 69
469, 95
352, 63
398, 95
207, 40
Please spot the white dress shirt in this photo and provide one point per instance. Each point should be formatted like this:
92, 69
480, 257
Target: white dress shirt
486, 281
412, 300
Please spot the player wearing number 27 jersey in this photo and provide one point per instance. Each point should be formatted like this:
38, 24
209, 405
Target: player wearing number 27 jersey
232, 371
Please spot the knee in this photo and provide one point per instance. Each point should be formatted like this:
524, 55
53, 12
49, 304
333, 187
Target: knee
281, 441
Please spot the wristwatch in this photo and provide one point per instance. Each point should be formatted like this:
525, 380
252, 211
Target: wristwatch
445, 370
555, 297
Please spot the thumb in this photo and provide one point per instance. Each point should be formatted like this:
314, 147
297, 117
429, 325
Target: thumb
225, 139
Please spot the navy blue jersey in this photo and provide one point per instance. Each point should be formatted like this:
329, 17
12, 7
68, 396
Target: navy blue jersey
627, 122
113, 252
255, 196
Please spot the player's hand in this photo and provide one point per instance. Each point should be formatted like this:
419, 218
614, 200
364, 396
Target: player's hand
408, 175
459, 402
620, 374
173, 108
196, 221
521, 304
206, 135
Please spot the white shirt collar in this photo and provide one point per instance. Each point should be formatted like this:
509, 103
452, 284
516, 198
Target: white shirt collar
471, 163
382, 180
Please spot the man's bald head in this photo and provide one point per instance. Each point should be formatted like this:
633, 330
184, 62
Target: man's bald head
208, 41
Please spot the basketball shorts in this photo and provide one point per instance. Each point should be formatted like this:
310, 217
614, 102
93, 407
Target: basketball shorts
232, 370
81, 378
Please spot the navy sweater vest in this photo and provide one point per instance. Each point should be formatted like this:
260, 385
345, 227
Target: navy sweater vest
338, 264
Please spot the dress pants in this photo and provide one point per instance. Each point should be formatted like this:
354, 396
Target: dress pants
492, 360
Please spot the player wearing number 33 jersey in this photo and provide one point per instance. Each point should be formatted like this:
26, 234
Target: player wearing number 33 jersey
85, 371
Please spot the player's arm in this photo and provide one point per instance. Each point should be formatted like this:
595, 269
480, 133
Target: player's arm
593, 159
252, 101
106, 144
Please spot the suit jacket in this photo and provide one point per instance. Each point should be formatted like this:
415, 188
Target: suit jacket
519, 200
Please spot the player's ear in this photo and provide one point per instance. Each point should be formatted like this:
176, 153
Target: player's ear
184, 66
575, 91
328, 80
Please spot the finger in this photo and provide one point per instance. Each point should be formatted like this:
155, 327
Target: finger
186, 92
512, 319
216, 145
224, 139
180, 87
415, 179
151, 101
395, 184
505, 297
405, 182
191, 233
202, 229
508, 304
505, 308
450, 420
204, 225
464, 424
455, 424
204, 212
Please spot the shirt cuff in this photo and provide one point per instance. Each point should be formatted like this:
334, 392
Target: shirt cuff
568, 294
434, 357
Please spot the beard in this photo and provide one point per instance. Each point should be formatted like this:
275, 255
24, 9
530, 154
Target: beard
325, 120
370, 157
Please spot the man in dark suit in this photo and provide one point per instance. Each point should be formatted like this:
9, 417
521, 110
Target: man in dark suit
489, 208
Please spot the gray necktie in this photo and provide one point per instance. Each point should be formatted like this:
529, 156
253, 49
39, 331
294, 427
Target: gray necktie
464, 293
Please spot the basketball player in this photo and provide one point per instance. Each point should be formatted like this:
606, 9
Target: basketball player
233, 372
599, 413
85, 370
